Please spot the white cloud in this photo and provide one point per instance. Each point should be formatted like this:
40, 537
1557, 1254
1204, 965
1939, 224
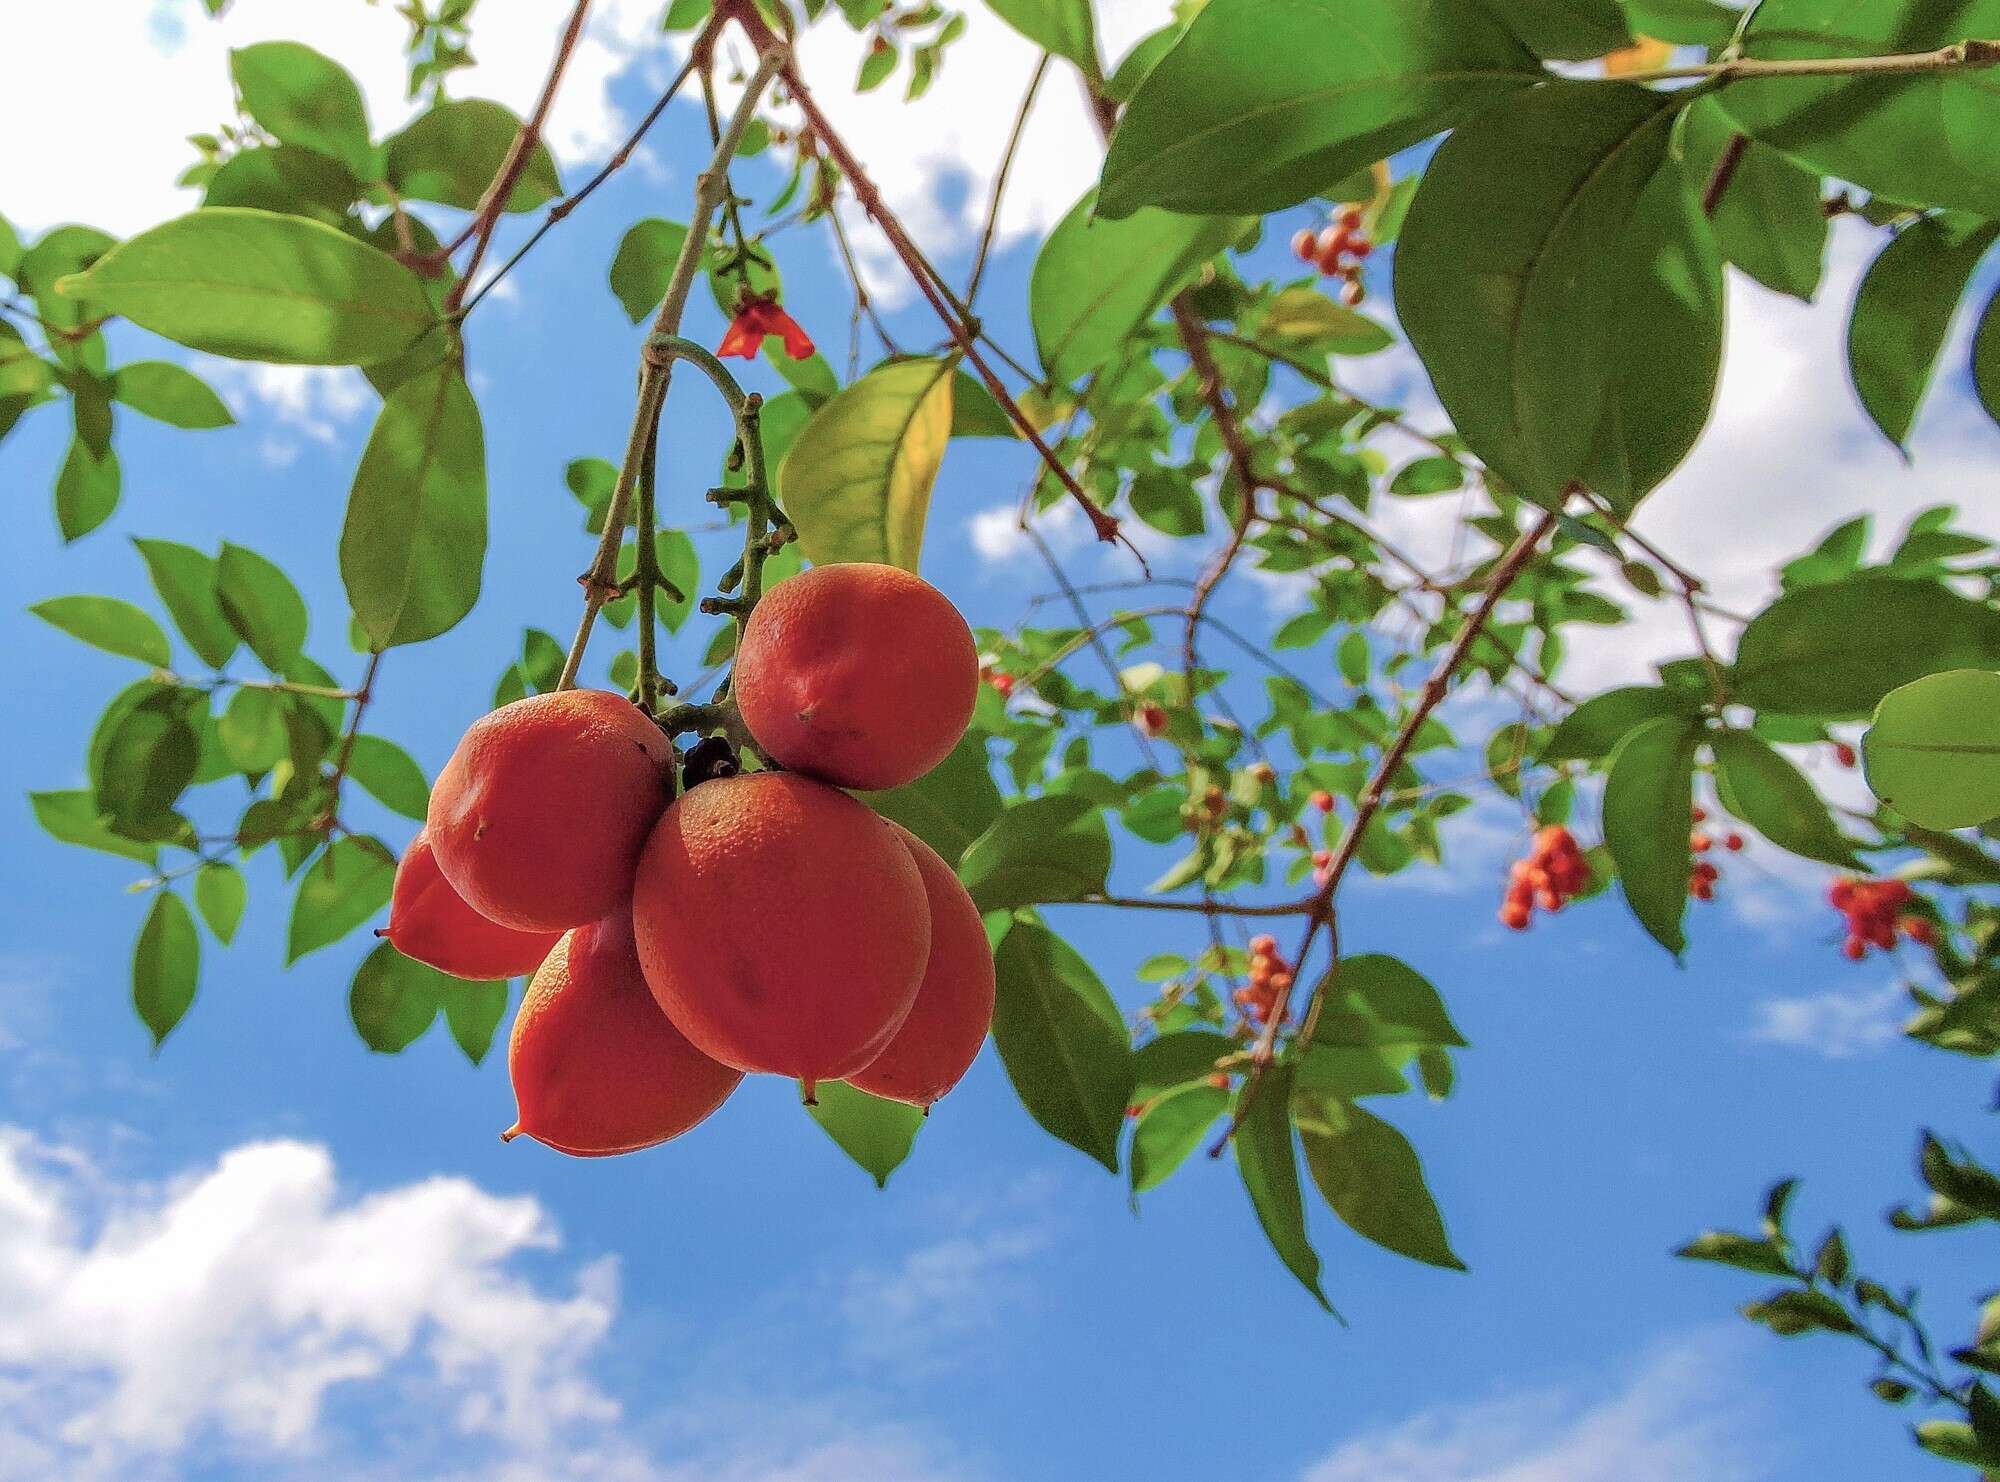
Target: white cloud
1837, 1023
1677, 1416
316, 400
937, 1299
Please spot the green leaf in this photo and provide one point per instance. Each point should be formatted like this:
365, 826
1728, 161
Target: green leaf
1269, 1163
1347, 1071
1986, 358
1369, 1175
1263, 103
1597, 725
73, 818
1903, 314
1911, 137
300, 97
1305, 314
1954, 1440
876, 65
1569, 30
346, 885
1096, 280
1061, 26
644, 263
261, 604
1062, 1041
220, 895
185, 578
394, 999
1684, 22
166, 963
949, 806
1177, 1059
1511, 270
473, 1011
857, 480
974, 410
1170, 1128
875, 1132
1648, 813
86, 491
61, 251
1039, 849
144, 757
387, 771
1666, 333
1168, 501
1790, 1313
453, 152
252, 730
1398, 1003
255, 285
1728, 1249
110, 624
1773, 797
1933, 753
1832, 652
1437, 474
286, 179
1768, 219
415, 536
168, 393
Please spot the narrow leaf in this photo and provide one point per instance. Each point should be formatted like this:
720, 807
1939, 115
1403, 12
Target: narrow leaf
1062, 1041
166, 963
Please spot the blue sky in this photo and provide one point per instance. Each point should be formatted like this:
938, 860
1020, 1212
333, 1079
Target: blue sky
268, 1253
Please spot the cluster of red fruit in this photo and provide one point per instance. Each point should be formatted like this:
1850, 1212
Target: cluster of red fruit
1702, 878
1876, 910
1554, 871
1338, 252
761, 921
1270, 980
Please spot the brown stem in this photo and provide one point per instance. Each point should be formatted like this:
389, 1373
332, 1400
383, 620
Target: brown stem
362, 696
1723, 173
1971, 55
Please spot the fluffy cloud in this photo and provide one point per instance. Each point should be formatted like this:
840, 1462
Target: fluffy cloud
1837, 1023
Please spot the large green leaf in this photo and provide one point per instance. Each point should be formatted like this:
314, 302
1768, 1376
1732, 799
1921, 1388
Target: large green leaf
1933, 753
1648, 813
1903, 314
394, 999
169, 393
949, 806
1044, 849
1062, 1041
875, 1132
166, 963
261, 604
185, 578
1096, 280
144, 755
302, 97
1170, 1128
1568, 30
346, 885
857, 480
1061, 26
1773, 797
256, 285
1369, 1175
1268, 1159
1913, 137
415, 538
452, 153
1832, 652
1768, 219
1597, 725
109, 623
1375, 999
1263, 103
1511, 271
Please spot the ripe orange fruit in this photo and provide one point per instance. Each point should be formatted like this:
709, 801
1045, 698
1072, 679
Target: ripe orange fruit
539, 816
431, 922
597, 1068
954, 1007
782, 925
858, 674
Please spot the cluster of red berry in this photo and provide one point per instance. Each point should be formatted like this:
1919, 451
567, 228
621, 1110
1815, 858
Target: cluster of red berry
1702, 878
1322, 802
1876, 910
1003, 683
1270, 980
1554, 871
1338, 252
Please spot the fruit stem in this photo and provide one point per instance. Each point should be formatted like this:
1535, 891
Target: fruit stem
646, 573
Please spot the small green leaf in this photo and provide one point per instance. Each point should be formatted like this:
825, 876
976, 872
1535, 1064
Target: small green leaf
145, 755
394, 999
1648, 813
87, 490
1168, 501
1773, 797
1436, 474
168, 393
110, 624
1062, 1041
346, 885
1903, 313
261, 604
1269, 1162
857, 480
73, 818
1369, 1175
949, 806
166, 963
256, 285
644, 263
473, 1011
1060, 26
875, 1132
388, 772
1725, 1248
453, 152
1177, 1059
220, 895
1040, 849
1397, 1002
1768, 220
1172, 1127
186, 579
974, 410
679, 564
414, 541
301, 97
252, 730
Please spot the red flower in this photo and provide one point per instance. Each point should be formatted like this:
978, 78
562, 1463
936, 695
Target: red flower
760, 317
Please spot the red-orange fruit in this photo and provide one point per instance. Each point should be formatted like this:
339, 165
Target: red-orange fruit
431, 922
858, 674
597, 1068
782, 925
539, 816
954, 1007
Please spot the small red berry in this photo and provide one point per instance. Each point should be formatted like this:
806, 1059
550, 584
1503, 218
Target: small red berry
1263, 772
1700, 843
1323, 800
1219, 1081
1359, 248
1732, 842
1700, 814
1515, 917
1322, 858
1853, 949
1003, 684
1353, 294
1305, 244
1263, 946
1351, 218
1843, 753
1918, 929
1152, 718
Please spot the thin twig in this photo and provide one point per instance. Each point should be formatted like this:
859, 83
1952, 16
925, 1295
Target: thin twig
1970, 55
1000, 179
1723, 173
